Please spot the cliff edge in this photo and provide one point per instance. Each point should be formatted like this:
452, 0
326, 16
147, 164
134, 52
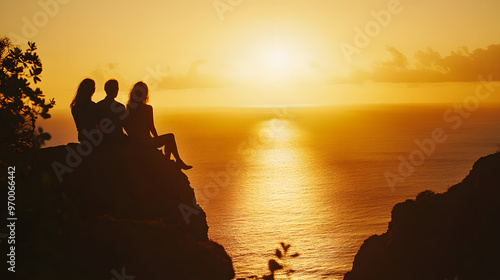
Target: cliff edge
111, 213
453, 235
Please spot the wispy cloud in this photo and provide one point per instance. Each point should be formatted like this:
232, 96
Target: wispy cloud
194, 78
105, 72
431, 67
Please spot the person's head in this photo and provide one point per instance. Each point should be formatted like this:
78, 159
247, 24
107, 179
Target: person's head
84, 92
111, 88
139, 94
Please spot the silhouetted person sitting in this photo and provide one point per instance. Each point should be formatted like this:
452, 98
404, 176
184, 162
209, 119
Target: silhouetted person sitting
114, 111
84, 110
140, 125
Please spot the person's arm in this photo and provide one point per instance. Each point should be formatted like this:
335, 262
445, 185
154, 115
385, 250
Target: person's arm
152, 127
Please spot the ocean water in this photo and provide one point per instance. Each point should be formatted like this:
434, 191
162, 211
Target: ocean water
315, 177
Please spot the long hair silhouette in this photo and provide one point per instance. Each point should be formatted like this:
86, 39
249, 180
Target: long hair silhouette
83, 109
84, 92
139, 94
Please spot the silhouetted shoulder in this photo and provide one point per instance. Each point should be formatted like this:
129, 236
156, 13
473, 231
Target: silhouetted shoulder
85, 112
119, 104
107, 106
147, 109
117, 107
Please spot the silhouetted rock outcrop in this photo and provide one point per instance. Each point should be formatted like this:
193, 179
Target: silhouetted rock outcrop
117, 212
453, 235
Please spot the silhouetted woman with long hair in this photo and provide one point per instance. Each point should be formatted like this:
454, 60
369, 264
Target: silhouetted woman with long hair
83, 109
140, 125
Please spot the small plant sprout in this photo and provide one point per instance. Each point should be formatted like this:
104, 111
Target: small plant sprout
283, 254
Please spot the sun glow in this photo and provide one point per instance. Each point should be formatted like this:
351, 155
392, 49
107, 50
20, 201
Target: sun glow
277, 59
276, 64
272, 59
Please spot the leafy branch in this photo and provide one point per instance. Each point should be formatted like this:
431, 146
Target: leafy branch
280, 264
20, 104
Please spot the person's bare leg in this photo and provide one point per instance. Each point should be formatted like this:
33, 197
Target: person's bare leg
171, 148
167, 146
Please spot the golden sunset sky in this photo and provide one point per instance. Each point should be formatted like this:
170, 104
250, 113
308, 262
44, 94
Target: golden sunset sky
262, 53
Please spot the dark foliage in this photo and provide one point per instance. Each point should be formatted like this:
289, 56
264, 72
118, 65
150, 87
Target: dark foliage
20, 104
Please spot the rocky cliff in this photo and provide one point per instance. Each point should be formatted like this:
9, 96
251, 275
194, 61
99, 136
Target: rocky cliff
453, 235
110, 213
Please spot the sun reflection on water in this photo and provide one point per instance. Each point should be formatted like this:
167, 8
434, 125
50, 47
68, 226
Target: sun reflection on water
278, 190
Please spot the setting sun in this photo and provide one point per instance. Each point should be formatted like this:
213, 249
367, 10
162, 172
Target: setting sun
277, 60
275, 63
